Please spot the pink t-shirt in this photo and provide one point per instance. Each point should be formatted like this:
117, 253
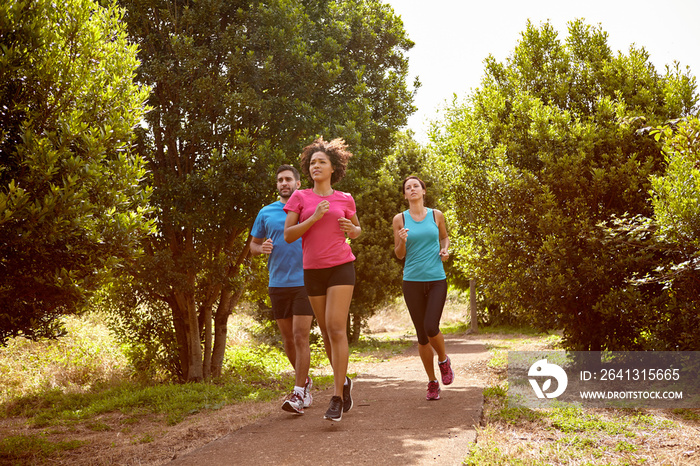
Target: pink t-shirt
324, 243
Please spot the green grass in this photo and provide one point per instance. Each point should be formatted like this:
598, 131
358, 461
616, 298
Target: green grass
504, 411
86, 359
512, 340
499, 359
261, 373
250, 374
172, 401
19, 449
687, 414
372, 349
508, 330
454, 328
567, 434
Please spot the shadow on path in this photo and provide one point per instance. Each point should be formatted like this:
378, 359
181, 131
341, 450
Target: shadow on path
391, 422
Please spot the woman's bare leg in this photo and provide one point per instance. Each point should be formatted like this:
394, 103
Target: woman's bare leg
337, 309
438, 344
318, 304
427, 356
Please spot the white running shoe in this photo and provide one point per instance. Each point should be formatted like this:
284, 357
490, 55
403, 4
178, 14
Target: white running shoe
294, 404
308, 399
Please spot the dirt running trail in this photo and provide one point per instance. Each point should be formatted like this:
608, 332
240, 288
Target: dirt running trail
391, 422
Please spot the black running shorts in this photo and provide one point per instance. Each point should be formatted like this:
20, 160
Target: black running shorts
317, 281
289, 301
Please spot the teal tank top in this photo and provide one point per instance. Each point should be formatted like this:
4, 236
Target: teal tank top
423, 263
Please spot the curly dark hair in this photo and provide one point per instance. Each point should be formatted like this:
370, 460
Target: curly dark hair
337, 152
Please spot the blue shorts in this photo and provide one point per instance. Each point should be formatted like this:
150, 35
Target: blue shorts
317, 281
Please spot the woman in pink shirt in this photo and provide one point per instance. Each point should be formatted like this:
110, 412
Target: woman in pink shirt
324, 218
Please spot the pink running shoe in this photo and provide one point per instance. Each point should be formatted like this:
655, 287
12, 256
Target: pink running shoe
446, 371
433, 391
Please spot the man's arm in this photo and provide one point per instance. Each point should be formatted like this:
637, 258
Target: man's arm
258, 246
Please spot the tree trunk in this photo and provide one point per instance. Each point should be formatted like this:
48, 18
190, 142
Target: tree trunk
190, 340
226, 302
180, 335
207, 314
205, 325
354, 327
195, 372
472, 306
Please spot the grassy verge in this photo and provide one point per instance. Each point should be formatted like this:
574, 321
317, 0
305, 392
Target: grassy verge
75, 383
570, 435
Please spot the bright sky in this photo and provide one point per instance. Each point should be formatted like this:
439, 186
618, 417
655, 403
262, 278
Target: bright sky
453, 37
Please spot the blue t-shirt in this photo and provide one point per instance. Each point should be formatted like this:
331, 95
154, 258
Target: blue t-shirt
285, 262
423, 262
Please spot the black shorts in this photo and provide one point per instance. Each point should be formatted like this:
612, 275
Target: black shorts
289, 301
317, 281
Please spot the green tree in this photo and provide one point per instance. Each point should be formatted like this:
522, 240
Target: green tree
676, 201
661, 251
71, 207
548, 151
676, 193
378, 271
238, 88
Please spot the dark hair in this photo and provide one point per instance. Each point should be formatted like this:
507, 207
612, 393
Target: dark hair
411, 177
337, 153
283, 168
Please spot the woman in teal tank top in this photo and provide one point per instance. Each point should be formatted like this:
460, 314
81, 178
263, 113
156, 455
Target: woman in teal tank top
420, 237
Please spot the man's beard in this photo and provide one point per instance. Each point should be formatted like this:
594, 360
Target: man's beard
285, 196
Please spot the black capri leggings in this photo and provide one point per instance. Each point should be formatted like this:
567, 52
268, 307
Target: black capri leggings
425, 302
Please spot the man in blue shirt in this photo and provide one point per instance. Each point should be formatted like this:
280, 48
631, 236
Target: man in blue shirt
290, 303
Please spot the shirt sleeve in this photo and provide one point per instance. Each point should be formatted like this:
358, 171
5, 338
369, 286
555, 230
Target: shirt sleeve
351, 209
295, 203
259, 230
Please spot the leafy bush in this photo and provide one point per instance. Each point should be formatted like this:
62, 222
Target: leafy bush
71, 205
